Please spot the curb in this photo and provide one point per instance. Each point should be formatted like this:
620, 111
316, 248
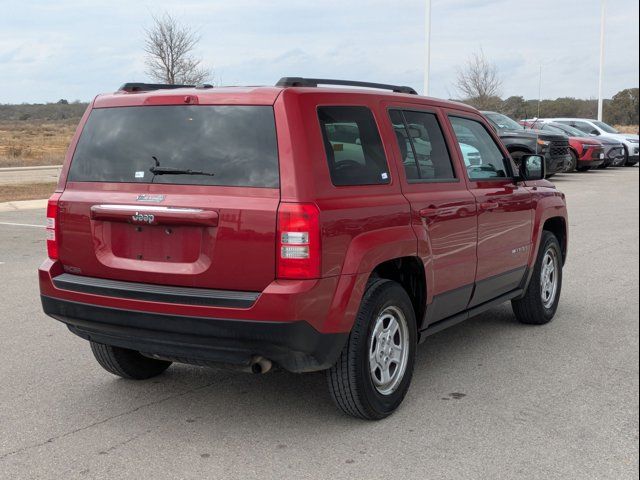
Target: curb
26, 169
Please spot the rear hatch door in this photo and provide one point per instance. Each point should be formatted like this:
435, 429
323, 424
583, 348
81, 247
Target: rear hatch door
183, 195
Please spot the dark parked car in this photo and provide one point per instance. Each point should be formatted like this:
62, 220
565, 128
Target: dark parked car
305, 227
520, 141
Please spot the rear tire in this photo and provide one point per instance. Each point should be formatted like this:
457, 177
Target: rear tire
364, 382
540, 301
127, 363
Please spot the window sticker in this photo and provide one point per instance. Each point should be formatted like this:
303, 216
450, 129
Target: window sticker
140, 174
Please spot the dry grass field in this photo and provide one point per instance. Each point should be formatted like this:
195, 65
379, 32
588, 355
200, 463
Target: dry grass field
24, 144
633, 129
27, 191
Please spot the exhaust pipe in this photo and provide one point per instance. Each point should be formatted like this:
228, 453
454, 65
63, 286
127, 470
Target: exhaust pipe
260, 365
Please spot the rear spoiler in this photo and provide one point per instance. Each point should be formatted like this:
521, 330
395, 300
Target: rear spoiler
147, 87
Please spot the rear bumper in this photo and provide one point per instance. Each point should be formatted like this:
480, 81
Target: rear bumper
296, 346
301, 325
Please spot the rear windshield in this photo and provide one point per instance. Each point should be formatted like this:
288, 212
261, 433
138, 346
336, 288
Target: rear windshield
209, 145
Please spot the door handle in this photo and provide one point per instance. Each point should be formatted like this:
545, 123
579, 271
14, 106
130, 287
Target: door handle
487, 206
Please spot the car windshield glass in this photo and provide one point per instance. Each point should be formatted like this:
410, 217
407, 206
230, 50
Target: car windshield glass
503, 122
566, 129
605, 127
554, 129
194, 145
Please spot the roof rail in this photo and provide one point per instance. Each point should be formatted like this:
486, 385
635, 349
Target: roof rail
314, 82
146, 87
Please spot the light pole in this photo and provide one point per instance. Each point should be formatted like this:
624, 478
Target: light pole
427, 28
603, 9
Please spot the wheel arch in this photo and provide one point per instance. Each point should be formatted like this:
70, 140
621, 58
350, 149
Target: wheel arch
558, 226
572, 149
409, 272
519, 148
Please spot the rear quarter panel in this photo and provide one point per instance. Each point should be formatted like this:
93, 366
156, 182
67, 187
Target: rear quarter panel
362, 226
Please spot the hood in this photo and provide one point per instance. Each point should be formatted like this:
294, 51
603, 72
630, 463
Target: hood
607, 140
594, 140
619, 137
533, 134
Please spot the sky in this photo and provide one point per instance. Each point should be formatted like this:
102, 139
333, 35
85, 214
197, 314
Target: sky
75, 49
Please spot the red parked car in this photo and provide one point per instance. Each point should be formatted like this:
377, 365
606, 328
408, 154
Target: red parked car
586, 152
305, 227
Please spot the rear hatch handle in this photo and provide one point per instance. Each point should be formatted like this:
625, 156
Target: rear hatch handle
151, 215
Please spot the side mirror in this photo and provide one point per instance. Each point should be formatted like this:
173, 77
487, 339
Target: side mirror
532, 167
595, 132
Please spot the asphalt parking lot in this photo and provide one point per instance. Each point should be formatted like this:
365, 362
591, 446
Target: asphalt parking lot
490, 398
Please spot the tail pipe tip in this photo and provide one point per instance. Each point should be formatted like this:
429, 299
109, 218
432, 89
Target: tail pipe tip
260, 365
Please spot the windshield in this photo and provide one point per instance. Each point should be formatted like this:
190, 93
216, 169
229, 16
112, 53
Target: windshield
554, 129
565, 129
194, 145
503, 122
605, 127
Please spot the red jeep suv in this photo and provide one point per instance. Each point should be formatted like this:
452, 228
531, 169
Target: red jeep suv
312, 228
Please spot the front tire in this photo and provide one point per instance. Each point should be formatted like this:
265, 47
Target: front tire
540, 301
573, 163
374, 370
127, 363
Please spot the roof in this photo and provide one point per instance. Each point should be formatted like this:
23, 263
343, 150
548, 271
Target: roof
258, 95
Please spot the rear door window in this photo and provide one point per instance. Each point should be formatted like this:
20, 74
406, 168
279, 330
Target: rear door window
423, 149
210, 145
352, 143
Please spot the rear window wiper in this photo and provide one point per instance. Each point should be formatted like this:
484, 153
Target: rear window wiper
178, 171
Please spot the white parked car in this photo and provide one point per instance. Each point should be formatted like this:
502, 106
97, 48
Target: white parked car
601, 129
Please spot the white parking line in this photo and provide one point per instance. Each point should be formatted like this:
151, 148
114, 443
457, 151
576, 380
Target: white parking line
21, 224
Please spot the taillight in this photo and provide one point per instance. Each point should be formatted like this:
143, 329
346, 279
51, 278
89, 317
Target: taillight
298, 252
53, 231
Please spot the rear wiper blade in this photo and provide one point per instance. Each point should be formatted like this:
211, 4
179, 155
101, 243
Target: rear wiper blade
177, 171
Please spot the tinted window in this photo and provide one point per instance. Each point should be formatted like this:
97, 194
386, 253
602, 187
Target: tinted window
235, 143
582, 126
422, 146
482, 157
502, 121
603, 126
566, 129
353, 146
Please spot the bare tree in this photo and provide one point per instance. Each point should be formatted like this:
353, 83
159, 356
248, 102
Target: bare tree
169, 45
479, 82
